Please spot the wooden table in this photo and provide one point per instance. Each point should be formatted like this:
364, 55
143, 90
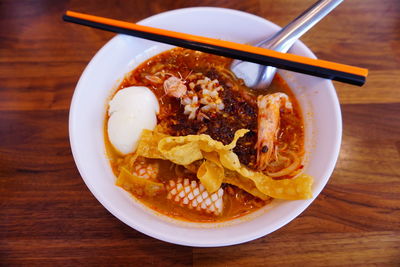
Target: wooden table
48, 216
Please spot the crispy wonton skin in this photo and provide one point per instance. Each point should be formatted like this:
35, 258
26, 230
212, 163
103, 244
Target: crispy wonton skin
220, 165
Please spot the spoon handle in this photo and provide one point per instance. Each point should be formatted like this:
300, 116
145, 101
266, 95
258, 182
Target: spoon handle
287, 36
261, 76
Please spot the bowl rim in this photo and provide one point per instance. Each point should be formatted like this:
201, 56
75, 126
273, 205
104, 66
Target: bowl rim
171, 238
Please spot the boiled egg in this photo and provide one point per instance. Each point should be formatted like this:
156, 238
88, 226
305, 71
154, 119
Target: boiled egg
131, 110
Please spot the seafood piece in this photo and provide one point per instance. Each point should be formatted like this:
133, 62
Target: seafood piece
194, 196
207, 100
210, 95
191, 103
145, 170
174, 86
269, 107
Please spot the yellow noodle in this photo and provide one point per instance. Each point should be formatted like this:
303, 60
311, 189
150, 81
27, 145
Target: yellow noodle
284, 147
288, 170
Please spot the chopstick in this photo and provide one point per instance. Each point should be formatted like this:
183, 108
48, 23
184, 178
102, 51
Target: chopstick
315, 67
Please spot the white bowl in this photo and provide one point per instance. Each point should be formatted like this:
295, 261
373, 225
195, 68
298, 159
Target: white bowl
121, 54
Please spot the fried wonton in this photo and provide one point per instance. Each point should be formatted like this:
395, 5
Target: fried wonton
219, 164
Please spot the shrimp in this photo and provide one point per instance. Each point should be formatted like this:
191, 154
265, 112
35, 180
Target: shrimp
268, 125
174, 86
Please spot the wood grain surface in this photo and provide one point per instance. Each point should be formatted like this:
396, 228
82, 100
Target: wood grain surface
48, 216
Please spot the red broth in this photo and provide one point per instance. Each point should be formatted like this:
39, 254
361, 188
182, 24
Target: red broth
240, 111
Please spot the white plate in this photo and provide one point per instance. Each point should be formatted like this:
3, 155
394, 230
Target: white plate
317, 98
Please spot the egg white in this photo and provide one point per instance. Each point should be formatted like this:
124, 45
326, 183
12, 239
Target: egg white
131, 110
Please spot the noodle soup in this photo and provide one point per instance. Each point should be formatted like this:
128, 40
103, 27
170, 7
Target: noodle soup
218, 150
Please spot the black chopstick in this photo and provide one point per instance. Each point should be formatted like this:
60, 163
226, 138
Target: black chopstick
314, 67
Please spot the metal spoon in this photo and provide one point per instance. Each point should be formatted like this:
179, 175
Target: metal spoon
259, 77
